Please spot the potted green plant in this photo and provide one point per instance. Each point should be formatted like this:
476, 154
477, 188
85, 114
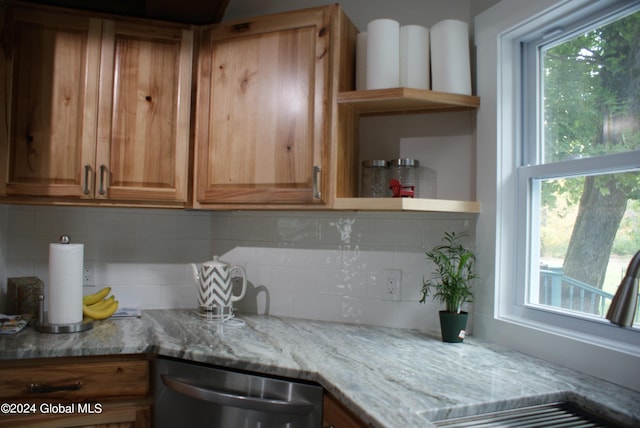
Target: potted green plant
451, 284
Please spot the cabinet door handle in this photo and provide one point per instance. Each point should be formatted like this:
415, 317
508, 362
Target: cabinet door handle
103, 171
87, 171
36, 388
316, 182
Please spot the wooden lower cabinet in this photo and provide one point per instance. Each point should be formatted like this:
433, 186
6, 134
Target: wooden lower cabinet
336, 415
111, 392
108, 418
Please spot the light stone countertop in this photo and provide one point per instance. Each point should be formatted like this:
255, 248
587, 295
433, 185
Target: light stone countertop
389, 377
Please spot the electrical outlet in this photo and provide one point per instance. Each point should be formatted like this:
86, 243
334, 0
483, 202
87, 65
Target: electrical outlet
89, 274
391, 284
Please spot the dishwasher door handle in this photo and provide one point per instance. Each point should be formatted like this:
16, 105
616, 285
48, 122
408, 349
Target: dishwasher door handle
229, 398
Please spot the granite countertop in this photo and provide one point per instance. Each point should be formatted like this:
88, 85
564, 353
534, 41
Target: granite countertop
389, 377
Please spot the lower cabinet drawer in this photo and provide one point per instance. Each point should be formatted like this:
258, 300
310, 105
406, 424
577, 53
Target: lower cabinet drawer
92, 391
108, 417
55, 378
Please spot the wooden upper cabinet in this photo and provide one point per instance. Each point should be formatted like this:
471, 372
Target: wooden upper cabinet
51, 61
264, 110
99, 109
143, 121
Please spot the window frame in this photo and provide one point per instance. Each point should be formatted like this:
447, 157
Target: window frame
528, 168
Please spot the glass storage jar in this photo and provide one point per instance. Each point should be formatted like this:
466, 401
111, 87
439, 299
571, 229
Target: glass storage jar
407, 172
375, 179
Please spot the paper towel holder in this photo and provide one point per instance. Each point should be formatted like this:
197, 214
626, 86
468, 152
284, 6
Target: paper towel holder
45, 327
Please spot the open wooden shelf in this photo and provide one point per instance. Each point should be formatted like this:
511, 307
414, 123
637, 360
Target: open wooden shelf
399, 100
406, 204
405, 100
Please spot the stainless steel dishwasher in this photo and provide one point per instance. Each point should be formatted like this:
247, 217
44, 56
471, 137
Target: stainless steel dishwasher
195, 395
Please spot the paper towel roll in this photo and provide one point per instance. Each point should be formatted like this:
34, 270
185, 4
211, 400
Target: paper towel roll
383, 54
414, 57
450, 63
361, 61
65, 283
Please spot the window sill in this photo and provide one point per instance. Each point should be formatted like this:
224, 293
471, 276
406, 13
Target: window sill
616, 345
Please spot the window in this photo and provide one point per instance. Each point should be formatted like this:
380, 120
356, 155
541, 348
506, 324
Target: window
578, 172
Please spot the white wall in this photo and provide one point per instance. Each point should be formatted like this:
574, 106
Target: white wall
309, 270
307, 266
419, 12
325, 266
330, 265
140, 253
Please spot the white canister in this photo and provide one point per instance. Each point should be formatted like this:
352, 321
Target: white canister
383, 54
450, 57
414, 57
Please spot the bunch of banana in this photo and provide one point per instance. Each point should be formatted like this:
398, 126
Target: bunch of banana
98, 306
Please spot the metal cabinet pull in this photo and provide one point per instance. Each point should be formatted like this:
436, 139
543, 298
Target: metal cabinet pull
316, 182
103, 170
36, 388
230, 398
87, 171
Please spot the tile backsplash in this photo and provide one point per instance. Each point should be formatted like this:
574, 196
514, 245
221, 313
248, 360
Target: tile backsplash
318, 265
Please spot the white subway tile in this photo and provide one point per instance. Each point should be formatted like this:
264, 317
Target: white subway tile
178, 297
117, 274
318, 265
281, 303
161, 274
321, 258
180, 225
296, 279
252, 228
63, 221
314, 306
221, 226
343, 282
19, 268
343, 230
296, 229
140, 297
405, 233
21, 222
114, 224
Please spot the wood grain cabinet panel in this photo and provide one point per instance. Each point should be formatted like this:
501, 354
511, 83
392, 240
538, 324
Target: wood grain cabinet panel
143, 121
336, 415
264, 108
51, 61
99, 108
77, 392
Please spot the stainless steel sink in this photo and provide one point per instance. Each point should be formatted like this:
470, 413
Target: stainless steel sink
561, 409
562, 414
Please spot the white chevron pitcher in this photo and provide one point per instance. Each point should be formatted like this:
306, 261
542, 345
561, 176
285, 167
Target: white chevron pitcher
215, 290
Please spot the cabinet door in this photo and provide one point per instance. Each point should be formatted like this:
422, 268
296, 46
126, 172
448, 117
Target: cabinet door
336, 415
262, 110
51, 62
143, 125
